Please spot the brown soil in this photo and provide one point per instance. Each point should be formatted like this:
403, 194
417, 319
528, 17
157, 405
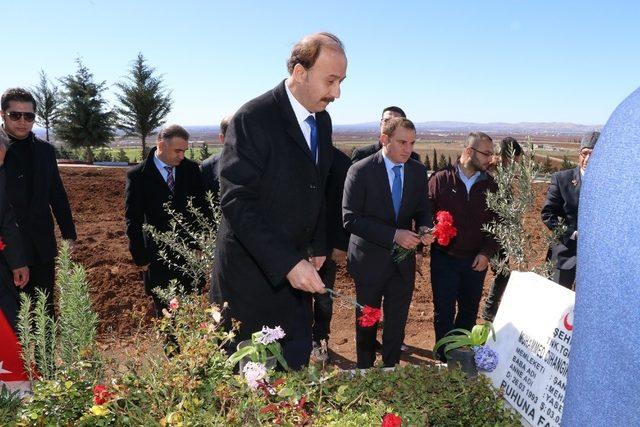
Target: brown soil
97, 201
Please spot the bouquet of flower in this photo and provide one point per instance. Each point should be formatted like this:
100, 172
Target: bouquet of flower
443, 231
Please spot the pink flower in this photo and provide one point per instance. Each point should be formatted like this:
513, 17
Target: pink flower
444, 230
369, 317
174, 304
2, 245
391, 420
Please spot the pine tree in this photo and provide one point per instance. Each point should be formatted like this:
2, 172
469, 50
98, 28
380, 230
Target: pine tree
47, 98
144, 103
442, 161
84, 120
427, 162
435, 160
204, 152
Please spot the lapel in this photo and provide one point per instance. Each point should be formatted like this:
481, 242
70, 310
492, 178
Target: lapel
150, 170
382, 182
576, 183
291, 123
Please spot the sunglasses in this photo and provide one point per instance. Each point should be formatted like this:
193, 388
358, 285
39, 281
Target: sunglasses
17, 115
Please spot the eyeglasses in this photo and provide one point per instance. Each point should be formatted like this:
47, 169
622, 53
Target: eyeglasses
482, 152
17, 115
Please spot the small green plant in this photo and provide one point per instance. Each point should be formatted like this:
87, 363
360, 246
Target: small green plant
458, 338
9, 404
204, 151
263, 345
122, 156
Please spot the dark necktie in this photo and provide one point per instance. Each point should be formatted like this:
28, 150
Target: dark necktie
170, 181
313, 139
396, 189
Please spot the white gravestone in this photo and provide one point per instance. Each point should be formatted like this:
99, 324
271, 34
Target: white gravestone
533, 328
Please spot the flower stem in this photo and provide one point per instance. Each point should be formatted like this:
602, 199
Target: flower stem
336, 294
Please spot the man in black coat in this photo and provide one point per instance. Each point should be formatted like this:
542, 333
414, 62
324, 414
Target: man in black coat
210, 168
35, 191
387, 114
383, 195
561, 204
14, 272
166, 176
273, 171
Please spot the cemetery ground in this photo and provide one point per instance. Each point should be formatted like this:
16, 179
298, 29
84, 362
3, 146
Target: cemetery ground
125, 312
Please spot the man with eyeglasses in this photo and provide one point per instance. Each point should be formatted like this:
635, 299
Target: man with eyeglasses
458, 269
387, 114
561, 206
35, 191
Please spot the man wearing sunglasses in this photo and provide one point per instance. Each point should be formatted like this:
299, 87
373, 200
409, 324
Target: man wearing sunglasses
561, 205
35, 191
458, 269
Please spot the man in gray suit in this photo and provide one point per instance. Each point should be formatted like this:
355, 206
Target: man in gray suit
13, 266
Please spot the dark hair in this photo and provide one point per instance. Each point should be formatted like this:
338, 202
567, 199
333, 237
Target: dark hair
394, 109
390, 126
307, 50
16, 94
474, 137
508, 146
172, 131
224, 125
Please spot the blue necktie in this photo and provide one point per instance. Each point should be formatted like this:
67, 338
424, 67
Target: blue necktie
396, 189
313, 140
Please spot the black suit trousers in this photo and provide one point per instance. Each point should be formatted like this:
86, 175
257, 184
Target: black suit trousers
42, 276
394, 294
323, 304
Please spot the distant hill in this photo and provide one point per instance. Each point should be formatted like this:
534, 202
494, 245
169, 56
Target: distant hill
210, 133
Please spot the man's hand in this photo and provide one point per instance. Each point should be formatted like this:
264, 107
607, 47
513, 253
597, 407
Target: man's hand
21, 276
318, 261
427, 237
304, 276
338, 256
406, 239
480, 263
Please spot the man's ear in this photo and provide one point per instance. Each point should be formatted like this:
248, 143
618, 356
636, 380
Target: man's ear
299, 73
384, 139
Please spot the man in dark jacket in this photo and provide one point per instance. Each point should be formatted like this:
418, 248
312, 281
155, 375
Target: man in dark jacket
164, 177
35, 191
14, 272
384, 196
458, 269
561, 205
273, 173
387, 114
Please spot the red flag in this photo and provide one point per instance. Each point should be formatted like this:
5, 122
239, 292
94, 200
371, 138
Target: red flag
12, 373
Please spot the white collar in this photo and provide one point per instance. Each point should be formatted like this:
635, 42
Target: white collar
300, 112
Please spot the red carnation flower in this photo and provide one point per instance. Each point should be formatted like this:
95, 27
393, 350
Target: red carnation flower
444, 230
2, 245
369, 317
100, 394
391, 420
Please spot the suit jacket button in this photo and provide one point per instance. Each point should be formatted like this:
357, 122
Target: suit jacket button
170, 197
312, 186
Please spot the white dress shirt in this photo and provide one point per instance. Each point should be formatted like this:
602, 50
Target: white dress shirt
301, 115
160, 165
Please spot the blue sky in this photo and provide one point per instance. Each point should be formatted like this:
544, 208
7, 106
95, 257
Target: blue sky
480, 61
